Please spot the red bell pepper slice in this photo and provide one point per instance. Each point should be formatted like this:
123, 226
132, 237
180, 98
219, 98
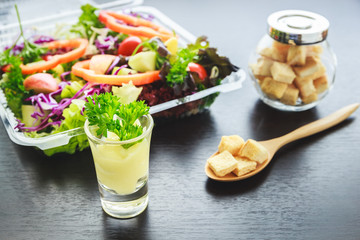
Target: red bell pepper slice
79, 46
81, 69
127, 24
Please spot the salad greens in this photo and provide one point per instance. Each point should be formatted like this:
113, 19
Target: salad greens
108, 114
112, 108
178, 70
87, 20
73, 119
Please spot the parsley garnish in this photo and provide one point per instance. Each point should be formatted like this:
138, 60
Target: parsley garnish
106, 112
12, 84
178, 73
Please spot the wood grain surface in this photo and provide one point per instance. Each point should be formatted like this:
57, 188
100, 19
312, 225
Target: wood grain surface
309, 191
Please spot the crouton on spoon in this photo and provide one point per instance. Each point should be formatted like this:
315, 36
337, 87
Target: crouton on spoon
214, 165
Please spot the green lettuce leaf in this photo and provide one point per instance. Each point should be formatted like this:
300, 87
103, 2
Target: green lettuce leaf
128, 92
73, 119
87, 20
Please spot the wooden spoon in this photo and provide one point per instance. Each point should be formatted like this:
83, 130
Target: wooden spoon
273, 145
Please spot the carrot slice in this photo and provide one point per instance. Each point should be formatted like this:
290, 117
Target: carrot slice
81, 69
79, 44
133, 25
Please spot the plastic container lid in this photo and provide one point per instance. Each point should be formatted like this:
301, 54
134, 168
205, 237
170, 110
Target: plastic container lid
297, 27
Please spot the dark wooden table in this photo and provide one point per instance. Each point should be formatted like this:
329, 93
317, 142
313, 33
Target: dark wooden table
309, 191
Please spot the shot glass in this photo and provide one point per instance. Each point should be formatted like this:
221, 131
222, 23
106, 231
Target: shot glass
122, 170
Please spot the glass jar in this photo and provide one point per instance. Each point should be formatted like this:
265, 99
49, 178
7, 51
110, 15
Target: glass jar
293, 67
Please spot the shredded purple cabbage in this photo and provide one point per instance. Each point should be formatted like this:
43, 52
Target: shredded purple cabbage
62, 76
44, 102
35, 39
42, 39
113, 64
16, 49
108, 43
121, 67
145, 16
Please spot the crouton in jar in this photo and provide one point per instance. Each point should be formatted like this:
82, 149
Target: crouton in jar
293, 66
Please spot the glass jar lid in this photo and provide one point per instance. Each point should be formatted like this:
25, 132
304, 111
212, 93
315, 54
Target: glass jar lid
297, 27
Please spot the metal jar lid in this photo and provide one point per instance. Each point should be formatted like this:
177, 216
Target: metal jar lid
297, 27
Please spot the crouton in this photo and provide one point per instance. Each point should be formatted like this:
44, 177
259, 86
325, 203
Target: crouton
311, 66
296, 55
321, 84
244, 166
260, 78
272, 88
282, 72
263, 67
314, 50
306, 87
310, 98
266, 52
290, 95
231, 143
280, 51
222, 163
254, 151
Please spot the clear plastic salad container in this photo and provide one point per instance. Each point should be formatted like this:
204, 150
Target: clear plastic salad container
185, 106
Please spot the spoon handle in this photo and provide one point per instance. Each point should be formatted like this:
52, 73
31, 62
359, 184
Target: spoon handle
318, 125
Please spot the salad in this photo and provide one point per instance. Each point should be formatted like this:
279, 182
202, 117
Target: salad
47, 80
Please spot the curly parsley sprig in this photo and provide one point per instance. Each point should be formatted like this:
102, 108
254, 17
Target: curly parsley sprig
106, 112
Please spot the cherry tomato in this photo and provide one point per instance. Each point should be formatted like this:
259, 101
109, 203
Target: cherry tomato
127, 47
47, 57
200, 70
